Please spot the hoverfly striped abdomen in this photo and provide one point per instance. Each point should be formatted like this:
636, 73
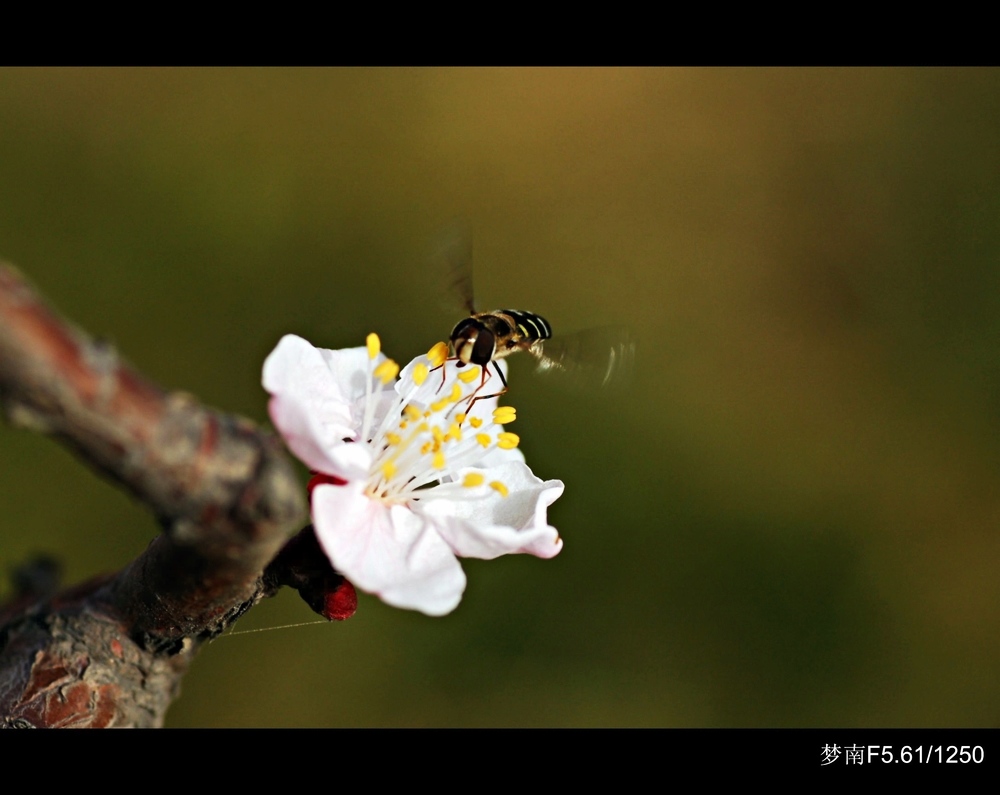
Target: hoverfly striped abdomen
529, 325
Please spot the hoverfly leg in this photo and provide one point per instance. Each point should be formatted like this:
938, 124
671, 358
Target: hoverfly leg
444, 375
444, 372
500, 373
475, 396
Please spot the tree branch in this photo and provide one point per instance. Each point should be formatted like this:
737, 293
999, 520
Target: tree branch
110, 652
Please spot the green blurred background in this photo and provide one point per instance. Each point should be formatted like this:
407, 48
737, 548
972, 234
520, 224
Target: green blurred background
791, 516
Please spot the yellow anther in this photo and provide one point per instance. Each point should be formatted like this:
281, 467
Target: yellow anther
438, 354
425, 448
387, 371
473, 479
388, 470
438, 461
393, 438
438, 405
454, 432
460, 417
420, 373
412, 412
373, 344
499, 487
484, 439
504, 414
437, 433
456, 393
468, 376
507, 441
476, 422
403, 424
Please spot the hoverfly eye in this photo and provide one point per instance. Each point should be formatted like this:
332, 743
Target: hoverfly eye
484, 348
461, 327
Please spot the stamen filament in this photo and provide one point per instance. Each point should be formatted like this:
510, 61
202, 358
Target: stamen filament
420, 447
373, 346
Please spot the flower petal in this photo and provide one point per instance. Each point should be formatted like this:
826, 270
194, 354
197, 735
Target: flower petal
320, 447
495, 525
316, 375
497, 456
314, 404
389, 551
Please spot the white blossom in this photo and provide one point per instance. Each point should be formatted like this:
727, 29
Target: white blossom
428, 472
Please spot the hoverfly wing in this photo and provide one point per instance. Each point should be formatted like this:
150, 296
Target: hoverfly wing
454, 255
603, 356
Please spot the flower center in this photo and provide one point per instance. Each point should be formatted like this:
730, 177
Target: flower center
439, 423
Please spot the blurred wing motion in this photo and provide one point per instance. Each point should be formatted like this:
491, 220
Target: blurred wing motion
454, 250
603, 356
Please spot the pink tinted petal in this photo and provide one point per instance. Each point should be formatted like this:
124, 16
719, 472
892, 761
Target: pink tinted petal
496, 525
388, 551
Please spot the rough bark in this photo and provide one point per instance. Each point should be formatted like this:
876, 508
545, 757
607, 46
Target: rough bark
111, 652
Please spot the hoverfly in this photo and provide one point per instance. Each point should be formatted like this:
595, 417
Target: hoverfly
598, 355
